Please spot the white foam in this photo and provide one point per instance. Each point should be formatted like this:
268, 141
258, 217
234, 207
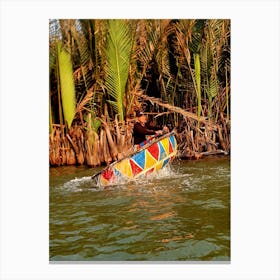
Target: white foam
75, 185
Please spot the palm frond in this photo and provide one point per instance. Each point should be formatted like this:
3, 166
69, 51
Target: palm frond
52, 58
118, 55
197, 35
54, 36
213, 85
67, 84
84, 55
198, 82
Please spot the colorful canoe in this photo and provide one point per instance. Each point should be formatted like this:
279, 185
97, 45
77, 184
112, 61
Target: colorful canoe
148, 159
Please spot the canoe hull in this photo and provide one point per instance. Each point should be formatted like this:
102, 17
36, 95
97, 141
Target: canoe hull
149, 159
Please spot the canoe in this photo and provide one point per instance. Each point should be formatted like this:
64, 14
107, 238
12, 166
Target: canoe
148, 159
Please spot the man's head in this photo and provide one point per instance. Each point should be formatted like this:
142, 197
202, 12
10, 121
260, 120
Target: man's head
142, 118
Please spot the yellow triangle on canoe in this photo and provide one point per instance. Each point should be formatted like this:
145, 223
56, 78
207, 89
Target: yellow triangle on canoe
165, 144
150, 160
124, 168
159, 165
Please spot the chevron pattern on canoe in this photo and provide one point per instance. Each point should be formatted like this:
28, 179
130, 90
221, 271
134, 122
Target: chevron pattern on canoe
146, 161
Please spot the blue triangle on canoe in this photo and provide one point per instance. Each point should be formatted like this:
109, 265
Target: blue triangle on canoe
172, 140
165, 162
139, 158
162, 153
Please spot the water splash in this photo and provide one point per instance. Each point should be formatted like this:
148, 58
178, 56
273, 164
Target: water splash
156, 181
145, 180
87, 184
79, 184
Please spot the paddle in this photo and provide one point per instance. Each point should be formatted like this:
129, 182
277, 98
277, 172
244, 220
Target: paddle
98, 173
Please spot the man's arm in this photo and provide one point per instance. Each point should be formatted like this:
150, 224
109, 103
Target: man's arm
138, 128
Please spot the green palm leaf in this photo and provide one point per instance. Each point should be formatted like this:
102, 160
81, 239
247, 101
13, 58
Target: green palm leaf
118, 56
84, 53
67, 85
213, 85
198, 82
212, 90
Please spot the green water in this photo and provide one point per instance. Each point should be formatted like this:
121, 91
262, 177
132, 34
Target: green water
183, 214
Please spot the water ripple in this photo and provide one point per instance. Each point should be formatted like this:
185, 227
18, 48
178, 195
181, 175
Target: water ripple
180, 214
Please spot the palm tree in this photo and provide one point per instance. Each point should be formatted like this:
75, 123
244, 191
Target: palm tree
99, 69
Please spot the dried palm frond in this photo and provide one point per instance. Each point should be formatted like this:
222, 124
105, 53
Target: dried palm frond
179, 110
86, 99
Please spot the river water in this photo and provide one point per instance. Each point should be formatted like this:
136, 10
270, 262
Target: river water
182, 214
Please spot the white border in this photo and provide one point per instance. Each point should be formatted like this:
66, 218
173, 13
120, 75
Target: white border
24, 138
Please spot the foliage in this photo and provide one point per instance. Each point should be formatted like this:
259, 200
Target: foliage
159, 52
101, 69
198, 84
118, 61
67, 84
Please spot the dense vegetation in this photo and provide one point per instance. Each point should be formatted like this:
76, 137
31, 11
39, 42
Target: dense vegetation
102, 71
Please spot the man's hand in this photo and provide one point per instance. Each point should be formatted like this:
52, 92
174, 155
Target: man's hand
165, 129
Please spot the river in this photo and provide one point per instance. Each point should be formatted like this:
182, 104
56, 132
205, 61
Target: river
182, 214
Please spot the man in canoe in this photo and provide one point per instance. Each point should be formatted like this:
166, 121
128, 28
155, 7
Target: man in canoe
140, 130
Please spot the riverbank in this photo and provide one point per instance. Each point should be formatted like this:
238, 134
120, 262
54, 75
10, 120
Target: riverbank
82, 145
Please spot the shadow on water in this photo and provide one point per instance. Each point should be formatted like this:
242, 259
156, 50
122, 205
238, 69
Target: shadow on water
180, 214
